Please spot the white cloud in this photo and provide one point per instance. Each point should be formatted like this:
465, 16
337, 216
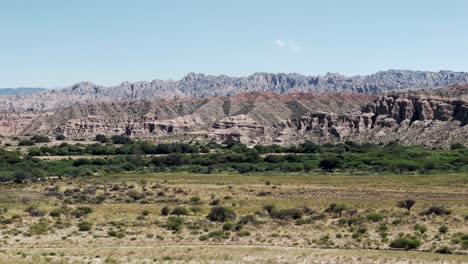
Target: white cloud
279, 43
287, 44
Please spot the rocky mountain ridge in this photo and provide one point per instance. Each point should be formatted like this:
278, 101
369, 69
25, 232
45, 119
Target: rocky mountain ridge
203, 86
429, 117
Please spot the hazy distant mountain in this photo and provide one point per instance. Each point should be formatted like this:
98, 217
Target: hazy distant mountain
201, 86
21, 90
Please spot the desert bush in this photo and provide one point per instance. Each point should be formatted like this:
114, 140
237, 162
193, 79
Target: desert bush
330, 163
34, 211
457, 146
21, 176
136, 195
356, 221
81, 211
145, 212
175, 223
196, 209
244, 233
437, 210
228, 226
420, 228
26, 142
269, 208
359, 232
215, 202
180, 211
219, 234
304, 221
336, 209
101, 138
56, 212
118, 234
165, 211
285, 214
84, 226
443, 250
195, 200
221, 214
443, 229
120, 139
40, 228
405, 243
375, 217
40, 138
246, 219
406, 204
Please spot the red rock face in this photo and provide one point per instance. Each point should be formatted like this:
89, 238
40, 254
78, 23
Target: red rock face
12, 124
436, 117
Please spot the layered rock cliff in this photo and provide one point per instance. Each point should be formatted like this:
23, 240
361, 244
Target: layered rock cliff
428, 117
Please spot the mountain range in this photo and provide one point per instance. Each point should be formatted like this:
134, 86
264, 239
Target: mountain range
203, 86
431, 117
21, 90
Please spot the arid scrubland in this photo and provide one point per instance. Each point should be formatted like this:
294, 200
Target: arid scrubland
279, 218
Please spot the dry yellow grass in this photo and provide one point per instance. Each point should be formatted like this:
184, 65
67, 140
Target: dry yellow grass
148, 241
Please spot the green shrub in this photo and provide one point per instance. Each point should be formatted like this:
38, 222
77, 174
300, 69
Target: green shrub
420, 228
246, 219
336, 209
175, 223
34, 211
244, 233
304, 221
118, 234
330, 163
269, 208
120, 139
443, 229
165, 211
81, 211
219, 234
56, 212
444, 250
40, 228
196, 209
60, 137
355, 221
84, 226
40, 139
228, 226
180, 211
145, 212
221, 214
286, 214
26, 142
195, 200
407, 204
101, 138
136, 195
375, 217
437, 210
405, 243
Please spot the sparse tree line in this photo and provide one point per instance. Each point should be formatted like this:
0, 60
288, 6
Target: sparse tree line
237, 158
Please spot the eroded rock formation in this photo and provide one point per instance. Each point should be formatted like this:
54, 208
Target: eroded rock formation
430, 117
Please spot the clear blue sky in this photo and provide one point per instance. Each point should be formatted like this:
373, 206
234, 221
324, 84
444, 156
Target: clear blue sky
58, 43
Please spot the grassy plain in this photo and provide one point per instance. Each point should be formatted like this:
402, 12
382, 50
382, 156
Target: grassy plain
146, 237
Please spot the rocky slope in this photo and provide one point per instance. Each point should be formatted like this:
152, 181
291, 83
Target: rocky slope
202, 86
428, 117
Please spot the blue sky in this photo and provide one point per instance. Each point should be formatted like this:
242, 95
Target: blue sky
58, 43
